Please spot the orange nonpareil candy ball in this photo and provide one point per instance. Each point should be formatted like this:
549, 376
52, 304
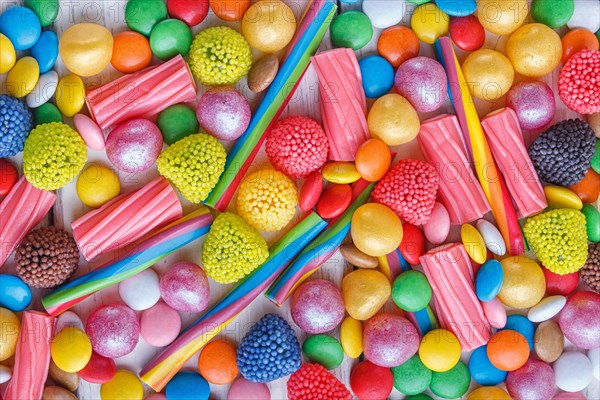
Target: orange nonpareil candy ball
588, 188
229, 10
216, 362
131, 52
373, 159
508, 350
397, 44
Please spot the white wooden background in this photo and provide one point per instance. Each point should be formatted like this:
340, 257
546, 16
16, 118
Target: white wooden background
110, 13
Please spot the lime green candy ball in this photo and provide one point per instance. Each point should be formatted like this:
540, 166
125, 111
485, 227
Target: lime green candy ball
170, 38
411, 291
324, 350
412, 377
177, 122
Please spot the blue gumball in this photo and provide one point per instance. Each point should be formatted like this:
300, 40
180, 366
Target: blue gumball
377, 76
187, 385
524, 326
482, 370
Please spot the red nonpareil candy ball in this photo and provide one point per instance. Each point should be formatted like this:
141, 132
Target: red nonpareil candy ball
113, 330
98, 370
560, 284
313, 381
467, 32
413, 244
409, 189
192, 12
8, 176
371, 382
310, 192
334, 201
297, 146
576, 88
579, 319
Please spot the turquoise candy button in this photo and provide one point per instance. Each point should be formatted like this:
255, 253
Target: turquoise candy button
489, 280
14, 293
377, 76
522, 325
454, 8
482, 370
351, 29
21, 26
187, 385
46, 10
45, 51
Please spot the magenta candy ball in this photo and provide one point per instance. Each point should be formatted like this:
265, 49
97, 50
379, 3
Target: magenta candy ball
134, 145
534, 380
389, 340
185, 287
579, 319
113, 330
224, 113
533, 103
317, 306
422, 81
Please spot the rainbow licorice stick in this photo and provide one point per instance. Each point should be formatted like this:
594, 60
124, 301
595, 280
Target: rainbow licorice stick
488, 174
309, 35
141, 256
163, 367
319, 250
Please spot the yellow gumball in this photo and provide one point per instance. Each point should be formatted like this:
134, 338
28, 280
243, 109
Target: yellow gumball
429, 22
124, 385
393, 120
97, 185
8, 57
86, 49
487, 393
534, 50
9, 333
502, 17
365, 291
376, 230
351, 332
269, 25
439, 350
71, 349
524, 284
70, 95
488, 73
23, 77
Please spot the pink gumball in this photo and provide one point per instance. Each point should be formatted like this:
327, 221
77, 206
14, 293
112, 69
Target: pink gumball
423, 82
185, 287
134, 145
533, 103
534, 380
317, 306
113, 330
389, 340
579, 319
224, 113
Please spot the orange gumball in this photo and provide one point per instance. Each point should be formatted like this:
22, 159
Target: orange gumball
131, 52
373, 159
577, 40
508, 350
588, 188
217, 363
397, 44
230, 10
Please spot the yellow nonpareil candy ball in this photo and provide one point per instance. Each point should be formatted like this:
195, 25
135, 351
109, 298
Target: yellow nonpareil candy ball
524, 284
502, 17
269, 25
9, 333
124, 385
97, 185
365, 291
534, 50
488, 73
439, 350
71, 349
393, 120
86, 49
376, 230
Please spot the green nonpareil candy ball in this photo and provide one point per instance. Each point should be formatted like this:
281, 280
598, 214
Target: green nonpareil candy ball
411, 291
177, 122
46, 10
142, 15
47, 113
412, 377
324, 350
553, 13
170, 38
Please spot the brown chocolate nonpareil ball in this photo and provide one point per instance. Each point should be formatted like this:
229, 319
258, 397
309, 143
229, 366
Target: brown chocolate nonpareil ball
47, 257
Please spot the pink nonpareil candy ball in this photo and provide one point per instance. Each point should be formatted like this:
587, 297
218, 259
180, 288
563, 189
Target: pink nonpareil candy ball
533, 103
224, 113
579, 318
160, 324
317, 306
134, 145
389, 340
185, 287
113, 330
534, 380
422, 80
99, 369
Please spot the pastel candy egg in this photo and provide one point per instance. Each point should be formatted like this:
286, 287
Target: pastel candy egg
561, 197
482, 370
384, 13
131, 52
14, 293
189, 11
365, 291
71, 349
489, 280
113, 329
5, 374
534, 104
269, 27
340, 172
186, 382
334, 201
451, 384
549, 341
560, 284
373, 159
160, 325
502, 17
141, 291
134, 145
412, 246
8, 57
369, 381
411, 291
429, 22
9, 334
573, 371
224, 113
422, 80
508, 350
585, 15
98, 370
377, 73
436, 230
534, 380
324, 350
467, 32
524, 326
45, 51
185, 287
21, 26
217, 362
546, 308
351, 29
489, 73
23, 77
578, 319
86, 49
393, 120
524, 283
169, 38
439, 350
495, 313
534, 50
89, 131
389, 340
317, 306
70, 95
457, 9
492, 237
488, 392
68, 319
376, 230
243, 389
44, 90
474, 243
124, 385
412, 377
351, 332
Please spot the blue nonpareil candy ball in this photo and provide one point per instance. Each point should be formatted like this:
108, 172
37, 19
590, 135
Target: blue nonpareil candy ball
377, 76
16, 121
269, 351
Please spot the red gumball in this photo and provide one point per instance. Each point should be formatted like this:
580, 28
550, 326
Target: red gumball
192, 12
560, 284
413, 244
8, 176
467, 32
99, 369
371, 382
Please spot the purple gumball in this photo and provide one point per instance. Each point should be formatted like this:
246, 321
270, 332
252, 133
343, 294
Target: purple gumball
533, 103
422, 80
389, 340
224, 113
533, 381
134, 145
185, 287
317, 306
113, 330
579, 320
